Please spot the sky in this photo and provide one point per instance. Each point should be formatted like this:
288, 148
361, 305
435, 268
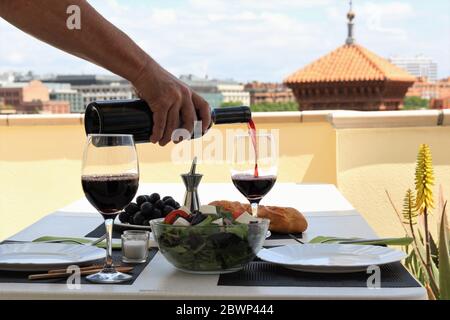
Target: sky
247, 40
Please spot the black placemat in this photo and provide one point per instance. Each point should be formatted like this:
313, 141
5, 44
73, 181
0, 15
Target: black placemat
117, 232
263, 274
283, 236
100, 231
22, 277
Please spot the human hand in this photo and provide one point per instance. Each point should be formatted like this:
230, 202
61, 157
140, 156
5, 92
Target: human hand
173, 103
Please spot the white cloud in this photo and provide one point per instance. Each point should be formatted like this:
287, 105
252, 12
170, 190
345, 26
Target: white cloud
163, 17
257, 5
381, 17
219, 40
243, 39
114, 5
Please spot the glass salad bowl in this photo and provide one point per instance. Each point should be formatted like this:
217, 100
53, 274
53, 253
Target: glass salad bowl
210, 249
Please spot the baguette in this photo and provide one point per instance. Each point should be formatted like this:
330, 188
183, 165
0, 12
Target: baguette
282, 219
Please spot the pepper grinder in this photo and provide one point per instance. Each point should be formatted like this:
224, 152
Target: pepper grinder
191, 181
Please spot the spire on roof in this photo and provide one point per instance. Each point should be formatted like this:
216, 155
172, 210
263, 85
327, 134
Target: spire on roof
350, 16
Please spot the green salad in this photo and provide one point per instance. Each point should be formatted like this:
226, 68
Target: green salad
215, 241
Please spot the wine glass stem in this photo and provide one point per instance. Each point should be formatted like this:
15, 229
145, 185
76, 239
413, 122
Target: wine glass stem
254, 206
109, 266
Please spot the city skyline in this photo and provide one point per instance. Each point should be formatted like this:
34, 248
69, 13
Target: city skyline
239, 39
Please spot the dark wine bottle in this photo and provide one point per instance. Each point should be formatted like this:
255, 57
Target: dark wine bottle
135, 117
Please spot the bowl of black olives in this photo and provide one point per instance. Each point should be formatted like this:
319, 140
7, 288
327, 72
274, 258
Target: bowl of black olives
137, 215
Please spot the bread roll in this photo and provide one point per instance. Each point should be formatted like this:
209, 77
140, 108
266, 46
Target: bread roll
282, 219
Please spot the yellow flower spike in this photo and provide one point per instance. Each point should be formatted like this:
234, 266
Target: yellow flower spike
409, 208
424, 180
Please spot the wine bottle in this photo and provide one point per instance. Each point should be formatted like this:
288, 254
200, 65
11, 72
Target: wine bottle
135, 117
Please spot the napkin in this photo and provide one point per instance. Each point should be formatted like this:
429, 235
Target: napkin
115, 245
380, 242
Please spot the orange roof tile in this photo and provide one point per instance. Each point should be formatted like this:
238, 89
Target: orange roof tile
349, 63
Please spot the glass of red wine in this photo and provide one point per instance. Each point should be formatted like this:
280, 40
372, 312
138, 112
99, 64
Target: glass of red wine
254, 167
110, 179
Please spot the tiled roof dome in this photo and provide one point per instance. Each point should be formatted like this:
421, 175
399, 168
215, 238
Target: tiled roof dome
349, 63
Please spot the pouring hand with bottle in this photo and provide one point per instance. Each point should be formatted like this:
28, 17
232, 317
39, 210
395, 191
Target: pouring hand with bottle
172, 103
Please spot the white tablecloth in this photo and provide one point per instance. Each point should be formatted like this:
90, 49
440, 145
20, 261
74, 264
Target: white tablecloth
327, 211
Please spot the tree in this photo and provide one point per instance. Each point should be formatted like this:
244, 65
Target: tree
414, 103
231, 104
274, 106
5, 108
265, 106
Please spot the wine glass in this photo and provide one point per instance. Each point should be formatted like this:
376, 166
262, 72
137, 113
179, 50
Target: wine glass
254, 167
110, 179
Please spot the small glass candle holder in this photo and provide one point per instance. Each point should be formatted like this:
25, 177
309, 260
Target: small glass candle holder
135, 246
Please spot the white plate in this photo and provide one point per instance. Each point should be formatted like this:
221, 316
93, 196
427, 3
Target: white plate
330, 258
46, 256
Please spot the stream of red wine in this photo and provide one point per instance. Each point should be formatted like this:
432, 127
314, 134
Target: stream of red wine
252, 132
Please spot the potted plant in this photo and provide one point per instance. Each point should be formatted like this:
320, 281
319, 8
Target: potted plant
428, 259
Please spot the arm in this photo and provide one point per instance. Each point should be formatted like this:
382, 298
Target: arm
100, 42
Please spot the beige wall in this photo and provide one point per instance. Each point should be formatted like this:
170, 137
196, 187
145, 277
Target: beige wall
370, 161
363, 153
40, 164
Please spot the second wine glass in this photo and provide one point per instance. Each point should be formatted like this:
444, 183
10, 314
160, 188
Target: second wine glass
254, 167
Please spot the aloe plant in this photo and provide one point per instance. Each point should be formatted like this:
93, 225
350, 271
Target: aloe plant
427, 260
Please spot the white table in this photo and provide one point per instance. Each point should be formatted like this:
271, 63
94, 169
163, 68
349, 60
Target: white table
327, 211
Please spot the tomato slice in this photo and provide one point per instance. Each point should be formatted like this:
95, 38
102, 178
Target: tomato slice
171, 217
236, 214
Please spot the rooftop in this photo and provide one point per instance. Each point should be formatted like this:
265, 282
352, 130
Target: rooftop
349, 63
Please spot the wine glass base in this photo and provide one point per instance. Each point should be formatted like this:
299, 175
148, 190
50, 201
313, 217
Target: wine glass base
109, 277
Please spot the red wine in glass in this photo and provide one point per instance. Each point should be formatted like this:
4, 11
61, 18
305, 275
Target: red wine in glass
110, 179
252, 180
110, 193
253, 188
252, 133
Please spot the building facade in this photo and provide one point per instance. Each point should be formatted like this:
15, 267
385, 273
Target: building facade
6, 109
73, 97
234, 92
32, 97
64, 92
95, 92
95, 87
430, 90
216, 92
440, 103
419, 66
16, 93
44, 107
268, 93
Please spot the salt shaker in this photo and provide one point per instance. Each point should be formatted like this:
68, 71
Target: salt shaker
135, 246
191, 181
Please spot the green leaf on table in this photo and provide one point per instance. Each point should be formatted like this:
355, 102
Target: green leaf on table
321, 239
404, 241
82, 240
388, 242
